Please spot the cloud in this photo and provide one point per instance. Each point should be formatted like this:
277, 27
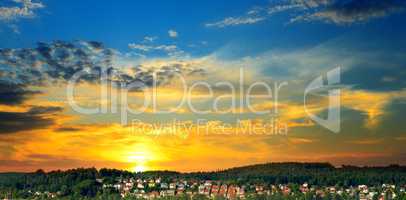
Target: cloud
252, 16
140, 47
146, 48
24, 9
150, 38
349, 12
67, 129
40, 110
59, 61
297, 141
310, 3
171, 50
234, 21
328, 11
13, 94
172, 33
34, 118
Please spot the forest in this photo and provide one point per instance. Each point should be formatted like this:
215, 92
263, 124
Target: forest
83, 182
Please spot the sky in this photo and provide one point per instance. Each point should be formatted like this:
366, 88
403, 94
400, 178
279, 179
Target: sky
201, 85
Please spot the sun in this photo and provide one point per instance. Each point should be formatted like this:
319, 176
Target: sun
140, 159
140, 168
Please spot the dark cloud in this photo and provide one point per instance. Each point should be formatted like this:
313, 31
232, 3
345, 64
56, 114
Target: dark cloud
56, 61
348, 11
35, 118
12, 94
329, 11
60, 60
96, 45
39, 110
67, 129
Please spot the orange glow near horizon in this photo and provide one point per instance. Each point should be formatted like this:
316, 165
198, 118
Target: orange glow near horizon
76, 141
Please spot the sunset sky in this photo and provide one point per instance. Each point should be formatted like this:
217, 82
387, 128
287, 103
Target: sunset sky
189, 56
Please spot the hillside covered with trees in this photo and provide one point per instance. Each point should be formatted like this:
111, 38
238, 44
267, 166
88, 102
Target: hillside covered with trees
89, 182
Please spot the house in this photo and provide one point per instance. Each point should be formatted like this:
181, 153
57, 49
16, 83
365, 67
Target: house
332, 190
129, 184
208, 183
214, 190
259, 188
362, 187
286, 190
140, 186
170, 193
223, 190
164, 186
304, 188
241, 192
201, 189
181, 186
206, 190
232, 192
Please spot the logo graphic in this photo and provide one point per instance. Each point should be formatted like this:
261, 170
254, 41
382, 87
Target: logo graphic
332, 122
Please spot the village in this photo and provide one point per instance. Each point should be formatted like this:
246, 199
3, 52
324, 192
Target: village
210, 189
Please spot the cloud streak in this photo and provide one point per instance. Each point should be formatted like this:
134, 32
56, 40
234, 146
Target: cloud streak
14, 94
171, 49
23, 9
235, 21
327, 11
35, 118
349, 12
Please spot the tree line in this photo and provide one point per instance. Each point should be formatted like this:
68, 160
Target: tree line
85, 182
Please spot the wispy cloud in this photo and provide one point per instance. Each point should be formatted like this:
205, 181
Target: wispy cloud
150, 38
234, 21
171, 50
328, 11
167, 48
252, 16
23, 9
140, 47
349, 12
173, 33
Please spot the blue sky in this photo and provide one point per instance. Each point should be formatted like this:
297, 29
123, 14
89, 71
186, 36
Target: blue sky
118, 24
122, 23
